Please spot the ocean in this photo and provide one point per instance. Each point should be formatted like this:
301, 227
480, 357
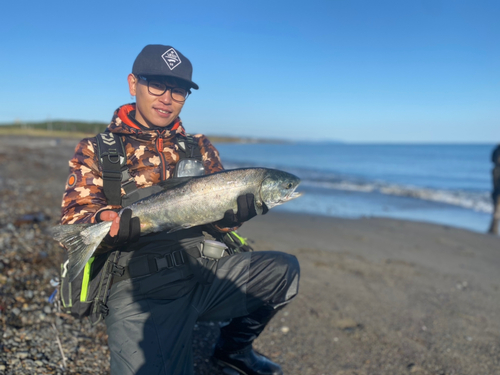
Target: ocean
445, 184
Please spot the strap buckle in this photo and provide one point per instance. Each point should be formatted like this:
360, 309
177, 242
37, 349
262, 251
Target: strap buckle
116, 269
170, 260
102, 308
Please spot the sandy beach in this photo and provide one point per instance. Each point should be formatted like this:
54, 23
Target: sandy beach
377, 296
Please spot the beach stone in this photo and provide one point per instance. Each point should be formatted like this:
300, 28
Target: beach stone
29, 363
28, 294
15, 311
7, 334
285, 329
47, 310
346, 323
417, 370
22, 355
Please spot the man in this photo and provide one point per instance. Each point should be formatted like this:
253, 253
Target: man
495, 158
153, 307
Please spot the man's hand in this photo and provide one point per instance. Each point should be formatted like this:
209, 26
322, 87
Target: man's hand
111, 216
124, 228
246, 211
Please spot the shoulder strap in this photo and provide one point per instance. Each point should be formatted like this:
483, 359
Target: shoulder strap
113, 160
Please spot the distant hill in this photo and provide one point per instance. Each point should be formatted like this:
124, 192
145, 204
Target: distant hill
65, 126
79, 129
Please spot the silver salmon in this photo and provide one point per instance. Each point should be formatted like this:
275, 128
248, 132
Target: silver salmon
188, 202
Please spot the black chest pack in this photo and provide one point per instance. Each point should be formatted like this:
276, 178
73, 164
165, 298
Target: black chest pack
87, 294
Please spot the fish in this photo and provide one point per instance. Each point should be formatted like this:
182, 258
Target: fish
183, 203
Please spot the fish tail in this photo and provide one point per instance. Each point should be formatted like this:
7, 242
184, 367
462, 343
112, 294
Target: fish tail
81, 240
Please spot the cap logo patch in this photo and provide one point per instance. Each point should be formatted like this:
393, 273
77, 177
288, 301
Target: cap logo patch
171, 58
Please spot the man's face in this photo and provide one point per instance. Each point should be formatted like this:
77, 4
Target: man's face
154, 110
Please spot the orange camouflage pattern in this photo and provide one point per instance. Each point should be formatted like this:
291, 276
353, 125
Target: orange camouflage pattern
152, 155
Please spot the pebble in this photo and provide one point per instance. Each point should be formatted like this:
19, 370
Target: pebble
47, 310
285, 329
346, 323
22, 355
28, 294
15, 311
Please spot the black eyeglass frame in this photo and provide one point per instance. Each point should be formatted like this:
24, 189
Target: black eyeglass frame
167, 88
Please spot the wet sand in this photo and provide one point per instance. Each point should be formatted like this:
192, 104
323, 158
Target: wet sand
377, 296
382, 296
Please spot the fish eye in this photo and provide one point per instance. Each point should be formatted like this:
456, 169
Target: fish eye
289, 185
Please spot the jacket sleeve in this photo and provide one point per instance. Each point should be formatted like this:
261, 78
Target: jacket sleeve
84, 197
210, 155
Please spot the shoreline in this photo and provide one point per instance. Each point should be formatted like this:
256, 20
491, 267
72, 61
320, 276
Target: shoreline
377, 295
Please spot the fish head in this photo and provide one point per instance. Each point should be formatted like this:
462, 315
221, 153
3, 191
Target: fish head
278, 187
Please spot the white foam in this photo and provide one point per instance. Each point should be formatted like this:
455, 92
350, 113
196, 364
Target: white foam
473, 200
477, 201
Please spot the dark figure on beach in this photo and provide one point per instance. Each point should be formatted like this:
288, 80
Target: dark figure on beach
495, 195
163, 283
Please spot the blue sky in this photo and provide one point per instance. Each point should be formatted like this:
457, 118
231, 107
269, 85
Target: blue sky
357, 71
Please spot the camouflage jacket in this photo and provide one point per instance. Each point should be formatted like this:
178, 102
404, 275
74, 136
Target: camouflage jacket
151, 157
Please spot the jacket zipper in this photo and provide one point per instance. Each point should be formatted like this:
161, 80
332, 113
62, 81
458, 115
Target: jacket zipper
163, 162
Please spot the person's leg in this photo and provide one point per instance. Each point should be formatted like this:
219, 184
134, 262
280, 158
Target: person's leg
149, 336
264, 282
273, 281
495, 219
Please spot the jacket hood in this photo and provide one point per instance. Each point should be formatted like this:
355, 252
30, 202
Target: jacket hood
123, 122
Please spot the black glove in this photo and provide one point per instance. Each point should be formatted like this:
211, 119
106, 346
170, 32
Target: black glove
246, 210
129, 231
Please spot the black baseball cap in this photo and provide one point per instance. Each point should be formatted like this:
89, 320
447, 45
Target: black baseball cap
159, 60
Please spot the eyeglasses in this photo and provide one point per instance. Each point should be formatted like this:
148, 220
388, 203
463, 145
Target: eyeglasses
158, 88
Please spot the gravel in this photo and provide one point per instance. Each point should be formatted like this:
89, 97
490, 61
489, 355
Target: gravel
32, 176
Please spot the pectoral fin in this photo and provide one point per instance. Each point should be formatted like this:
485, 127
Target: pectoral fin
260, 207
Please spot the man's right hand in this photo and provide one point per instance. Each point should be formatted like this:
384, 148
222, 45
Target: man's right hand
124, 228
111, 216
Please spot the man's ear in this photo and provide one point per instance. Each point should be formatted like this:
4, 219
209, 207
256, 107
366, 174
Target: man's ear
132, 84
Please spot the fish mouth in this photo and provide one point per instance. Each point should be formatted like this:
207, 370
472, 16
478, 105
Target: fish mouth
293, 195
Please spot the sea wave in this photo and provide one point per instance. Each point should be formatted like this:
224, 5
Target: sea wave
479, 201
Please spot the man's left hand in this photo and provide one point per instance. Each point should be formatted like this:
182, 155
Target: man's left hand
246, 210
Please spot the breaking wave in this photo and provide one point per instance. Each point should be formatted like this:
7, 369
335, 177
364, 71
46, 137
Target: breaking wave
479, 201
